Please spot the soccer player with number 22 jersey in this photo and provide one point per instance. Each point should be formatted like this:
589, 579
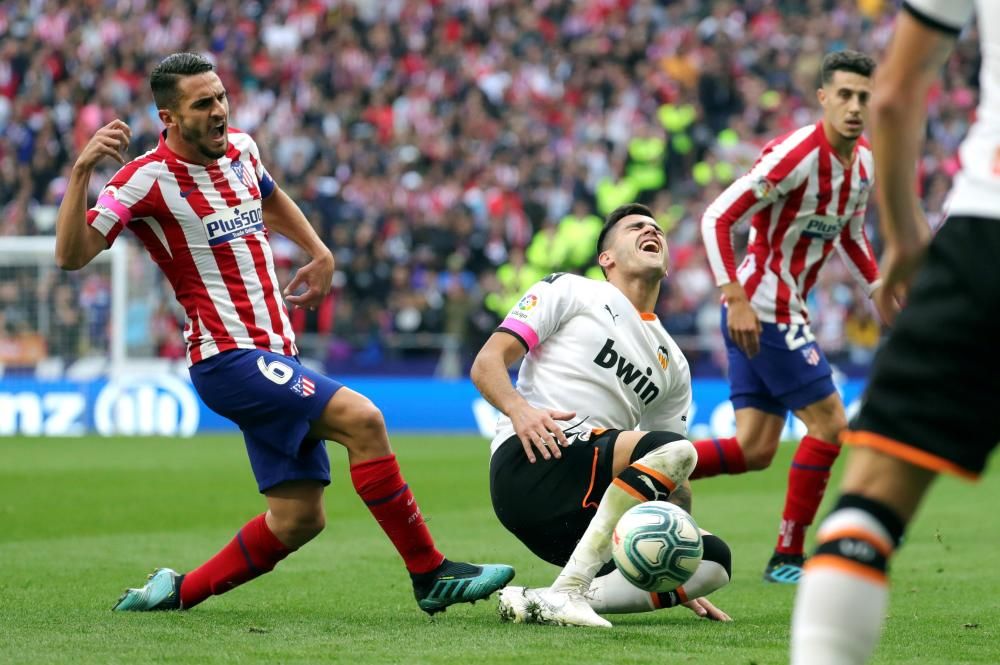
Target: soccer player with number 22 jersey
806, 195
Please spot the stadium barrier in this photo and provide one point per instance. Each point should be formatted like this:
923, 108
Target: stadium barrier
167, 405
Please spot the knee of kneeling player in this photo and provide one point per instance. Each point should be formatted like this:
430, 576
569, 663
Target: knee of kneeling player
717, 560
671, 455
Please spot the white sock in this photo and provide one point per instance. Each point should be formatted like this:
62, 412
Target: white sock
841, 599
613, 594
674, 461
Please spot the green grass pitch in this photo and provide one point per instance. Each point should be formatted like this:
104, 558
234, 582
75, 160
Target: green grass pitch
80, 519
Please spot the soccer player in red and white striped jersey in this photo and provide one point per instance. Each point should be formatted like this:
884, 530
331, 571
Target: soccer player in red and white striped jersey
203, 225
202, 203
806, 195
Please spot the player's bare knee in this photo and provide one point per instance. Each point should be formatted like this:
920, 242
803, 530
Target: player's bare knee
825, 421
758, 456
309, 527
366, 433
298, 528
315, 525
369, 421
830, 430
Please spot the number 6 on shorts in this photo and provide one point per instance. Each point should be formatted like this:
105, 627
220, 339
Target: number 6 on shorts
275, 371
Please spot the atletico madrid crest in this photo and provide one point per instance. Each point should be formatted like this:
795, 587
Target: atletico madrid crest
811, 355
241, 172
303, 386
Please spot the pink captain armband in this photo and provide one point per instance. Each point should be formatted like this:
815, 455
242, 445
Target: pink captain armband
522, 330
115, 206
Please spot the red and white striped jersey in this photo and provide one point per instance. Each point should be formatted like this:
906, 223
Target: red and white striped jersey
804, 202
204, 227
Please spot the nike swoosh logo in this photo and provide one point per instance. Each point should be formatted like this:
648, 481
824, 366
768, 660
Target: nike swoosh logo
188, 192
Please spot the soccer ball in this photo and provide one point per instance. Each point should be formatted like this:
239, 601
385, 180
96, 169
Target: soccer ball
656, 546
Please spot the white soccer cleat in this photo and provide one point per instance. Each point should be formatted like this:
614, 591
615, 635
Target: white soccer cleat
517, 604
564, 608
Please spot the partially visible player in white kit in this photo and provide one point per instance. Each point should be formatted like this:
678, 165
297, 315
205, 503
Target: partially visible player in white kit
202, 204
806, 195
931, 402
602, 396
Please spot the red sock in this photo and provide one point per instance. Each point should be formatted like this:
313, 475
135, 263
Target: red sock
806, 484
380, 485
253, 552
718, 456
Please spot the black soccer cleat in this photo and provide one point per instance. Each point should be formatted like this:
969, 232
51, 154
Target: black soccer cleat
457, 582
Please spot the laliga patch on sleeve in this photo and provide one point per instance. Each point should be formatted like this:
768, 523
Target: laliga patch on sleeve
528, 302
764, 190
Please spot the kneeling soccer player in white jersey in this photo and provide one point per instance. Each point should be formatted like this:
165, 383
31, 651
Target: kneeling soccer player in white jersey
602, 396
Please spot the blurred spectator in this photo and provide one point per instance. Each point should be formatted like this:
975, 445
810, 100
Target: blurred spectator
861, 330
414, 132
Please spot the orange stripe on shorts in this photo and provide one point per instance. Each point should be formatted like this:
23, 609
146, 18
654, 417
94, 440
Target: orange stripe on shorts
905, 452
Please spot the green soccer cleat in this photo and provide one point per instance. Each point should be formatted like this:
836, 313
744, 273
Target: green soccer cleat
784, 568
161, 592
456, 582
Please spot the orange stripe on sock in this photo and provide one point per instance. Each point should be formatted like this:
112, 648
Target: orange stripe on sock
680, 594
657, 605
835, 563
905, 452
884, 548
671, 485
629, 489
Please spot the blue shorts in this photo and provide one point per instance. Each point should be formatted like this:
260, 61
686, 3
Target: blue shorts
274, 399
788, 373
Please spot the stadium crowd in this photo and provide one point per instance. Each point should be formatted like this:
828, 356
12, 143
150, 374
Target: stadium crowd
451, 152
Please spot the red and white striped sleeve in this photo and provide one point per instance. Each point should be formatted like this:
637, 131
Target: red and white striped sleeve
853, 245
781, 167
125, 196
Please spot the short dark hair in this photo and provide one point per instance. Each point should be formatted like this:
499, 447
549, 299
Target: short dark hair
615, 216
163, 79
846, 61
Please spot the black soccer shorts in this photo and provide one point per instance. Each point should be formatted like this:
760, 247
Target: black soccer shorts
549, 504
933, 398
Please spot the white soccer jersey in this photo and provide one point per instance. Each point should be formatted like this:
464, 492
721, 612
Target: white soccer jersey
590, 351
804, 202
976, 189
204, 227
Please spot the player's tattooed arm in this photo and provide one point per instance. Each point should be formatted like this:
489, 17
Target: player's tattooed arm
681, 496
